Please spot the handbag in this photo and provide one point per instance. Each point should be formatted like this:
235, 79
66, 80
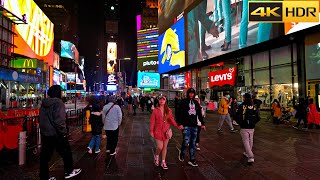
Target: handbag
169, 133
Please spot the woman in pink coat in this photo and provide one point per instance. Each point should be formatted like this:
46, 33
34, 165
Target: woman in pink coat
313, 115
160, 121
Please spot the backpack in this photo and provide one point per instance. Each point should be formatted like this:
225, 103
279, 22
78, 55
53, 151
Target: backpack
250, 114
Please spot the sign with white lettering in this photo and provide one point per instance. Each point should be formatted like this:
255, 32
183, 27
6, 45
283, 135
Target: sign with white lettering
112, 79
148, 63
223, 77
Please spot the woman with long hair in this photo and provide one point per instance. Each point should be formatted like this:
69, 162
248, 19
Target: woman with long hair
160, 121
276, 110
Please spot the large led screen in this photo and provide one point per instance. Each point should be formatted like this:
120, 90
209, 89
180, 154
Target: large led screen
217, 27
313, 57
168, 12
69, 50
148, 80
177, 81
148, 63
111, 57
147, 42
34, 39
171, 53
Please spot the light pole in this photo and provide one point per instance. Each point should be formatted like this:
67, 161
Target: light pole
119, 70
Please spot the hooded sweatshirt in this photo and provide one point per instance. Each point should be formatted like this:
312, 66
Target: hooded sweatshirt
189, 112
53, 117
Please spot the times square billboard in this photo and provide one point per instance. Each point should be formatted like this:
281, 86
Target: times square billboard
147, 49
35, 38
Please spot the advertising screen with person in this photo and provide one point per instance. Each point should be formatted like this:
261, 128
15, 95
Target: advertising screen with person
69, 50
148, 80
177, 81
168, 12
217, 27
171, 53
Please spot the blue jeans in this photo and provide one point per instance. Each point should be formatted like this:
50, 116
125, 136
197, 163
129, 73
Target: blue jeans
95, 141
227, 19
263, 28
189, 137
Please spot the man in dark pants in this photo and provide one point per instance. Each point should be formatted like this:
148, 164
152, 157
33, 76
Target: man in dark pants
189, 110
112, 117
54, 134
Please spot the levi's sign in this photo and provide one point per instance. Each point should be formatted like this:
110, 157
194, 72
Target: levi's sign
283, 11
223, 77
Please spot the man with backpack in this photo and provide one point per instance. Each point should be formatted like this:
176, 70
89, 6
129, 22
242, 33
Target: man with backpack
247, 117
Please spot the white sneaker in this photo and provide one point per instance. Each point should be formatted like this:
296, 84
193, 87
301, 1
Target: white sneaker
107, 151
115, 152
90, 151
97, 151
52, 178
250, 160
74, 173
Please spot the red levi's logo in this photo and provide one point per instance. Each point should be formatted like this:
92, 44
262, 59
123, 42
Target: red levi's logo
223, 77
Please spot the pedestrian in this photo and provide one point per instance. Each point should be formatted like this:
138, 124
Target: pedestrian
112, 117
204, 105
302, 114
247, 117
160, 130
54, 134
130, 100
313, 115
96, 126
142, 103
135, 105
233, 111
189, 113
276, 111
224, 113
199, 123
176, 105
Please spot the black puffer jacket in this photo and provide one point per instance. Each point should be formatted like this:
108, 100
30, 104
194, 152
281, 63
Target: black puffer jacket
96, 123
248, 115
53, 117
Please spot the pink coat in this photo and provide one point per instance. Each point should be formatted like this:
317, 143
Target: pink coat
313, 115
159, 126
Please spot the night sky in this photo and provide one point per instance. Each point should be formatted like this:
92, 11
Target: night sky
91, 27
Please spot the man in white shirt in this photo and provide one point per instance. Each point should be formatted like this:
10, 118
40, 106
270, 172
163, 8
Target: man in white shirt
112, 117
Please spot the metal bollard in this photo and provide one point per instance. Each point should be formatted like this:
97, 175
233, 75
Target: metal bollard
22, 147
38, 136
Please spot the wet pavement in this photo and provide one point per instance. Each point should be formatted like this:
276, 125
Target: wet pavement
281, 152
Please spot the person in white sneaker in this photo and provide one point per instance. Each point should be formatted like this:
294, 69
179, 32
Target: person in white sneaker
54, 134
247, 117
96, 125
160, 121
199, 123
112, 117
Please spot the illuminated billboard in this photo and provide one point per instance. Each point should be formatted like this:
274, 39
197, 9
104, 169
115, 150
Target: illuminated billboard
34, 39
147, 41
168, 12
69, 50
111, 57
56, 77
56, 61
171, 54
148, 63
209, 36
177, 81
148, 80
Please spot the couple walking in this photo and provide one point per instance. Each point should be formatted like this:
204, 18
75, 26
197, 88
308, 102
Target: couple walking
189, 118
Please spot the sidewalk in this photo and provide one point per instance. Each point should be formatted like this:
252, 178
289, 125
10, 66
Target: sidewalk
281, 152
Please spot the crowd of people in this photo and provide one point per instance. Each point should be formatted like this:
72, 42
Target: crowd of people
190, 111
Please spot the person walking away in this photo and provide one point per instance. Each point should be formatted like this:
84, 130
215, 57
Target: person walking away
204, 105
130, 100
160, 121
54, 134
142, 103
302, 114
247, 117
190, 111
224, 113
276, 111
199, 123
149, 103
233, 111
96, 127
112, 117
135, 105
313, 115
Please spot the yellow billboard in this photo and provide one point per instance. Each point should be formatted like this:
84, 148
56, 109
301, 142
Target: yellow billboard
35, 39
111, 57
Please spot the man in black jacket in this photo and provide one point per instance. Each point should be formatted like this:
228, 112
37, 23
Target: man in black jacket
54, 134
190, 118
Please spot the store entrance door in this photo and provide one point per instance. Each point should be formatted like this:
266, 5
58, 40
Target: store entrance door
313, 88
217, 92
